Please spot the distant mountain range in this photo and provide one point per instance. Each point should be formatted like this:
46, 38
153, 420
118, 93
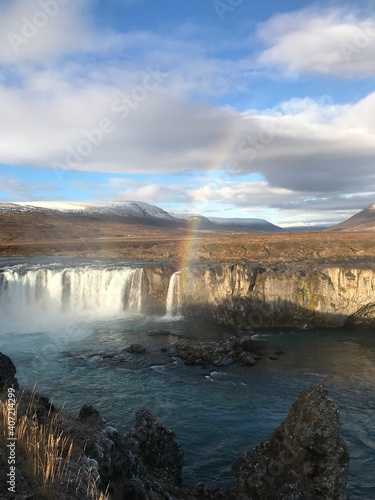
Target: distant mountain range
71, 221
245, 225
362, 221
123, 209
136, 213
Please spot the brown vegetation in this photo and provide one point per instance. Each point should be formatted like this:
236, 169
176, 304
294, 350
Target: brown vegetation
33, 234
262, 248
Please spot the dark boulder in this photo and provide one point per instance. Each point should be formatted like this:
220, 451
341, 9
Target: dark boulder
305, 458
249, 345
7, 372
135, 348
220, 353
247, 359
90, 416
160, 333
158, 447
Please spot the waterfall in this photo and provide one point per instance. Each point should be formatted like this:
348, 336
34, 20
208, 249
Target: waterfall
83, 293
133, 291
173, 305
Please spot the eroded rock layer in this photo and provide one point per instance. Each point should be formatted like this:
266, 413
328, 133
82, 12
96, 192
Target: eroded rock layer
251, 296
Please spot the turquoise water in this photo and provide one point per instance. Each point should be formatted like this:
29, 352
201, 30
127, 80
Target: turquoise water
214, 414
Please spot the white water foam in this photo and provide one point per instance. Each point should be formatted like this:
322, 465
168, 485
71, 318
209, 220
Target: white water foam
38, 298
173, 304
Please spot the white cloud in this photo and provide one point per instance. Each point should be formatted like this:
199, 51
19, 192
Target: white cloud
308, 146
127, 189
244, 194
332, 42
51, 115
33, 30
300, 145
260, 199
306, 150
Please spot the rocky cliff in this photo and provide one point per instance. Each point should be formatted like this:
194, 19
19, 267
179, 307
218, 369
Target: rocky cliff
252, 296
155, 287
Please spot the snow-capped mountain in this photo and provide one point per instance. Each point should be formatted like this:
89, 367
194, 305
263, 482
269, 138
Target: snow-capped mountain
126, 212
124, 208
15, 208
362, 221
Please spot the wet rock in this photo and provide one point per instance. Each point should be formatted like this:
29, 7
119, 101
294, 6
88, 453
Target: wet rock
219, 353
224, 361
249, 345
160, 333
158, 447
7, 372
135, 349
247, 359
232, 344
210, 352
305, 458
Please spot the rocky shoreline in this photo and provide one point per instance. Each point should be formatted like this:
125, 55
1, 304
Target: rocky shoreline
305, 457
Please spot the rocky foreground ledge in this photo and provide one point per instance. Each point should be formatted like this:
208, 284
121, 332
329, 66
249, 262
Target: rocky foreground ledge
305, 458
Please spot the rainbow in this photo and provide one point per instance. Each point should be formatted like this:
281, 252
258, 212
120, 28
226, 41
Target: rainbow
225, 162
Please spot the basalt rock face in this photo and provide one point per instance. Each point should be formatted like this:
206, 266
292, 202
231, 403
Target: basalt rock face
156, 283
363, 317
249, 296
304, 459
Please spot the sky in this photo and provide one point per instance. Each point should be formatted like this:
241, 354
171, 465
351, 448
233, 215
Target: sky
227, 108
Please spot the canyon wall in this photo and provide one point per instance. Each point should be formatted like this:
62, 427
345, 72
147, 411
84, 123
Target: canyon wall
250, 296
241, 296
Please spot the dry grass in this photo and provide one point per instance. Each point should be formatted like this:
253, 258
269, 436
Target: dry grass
47, 451
260, 248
